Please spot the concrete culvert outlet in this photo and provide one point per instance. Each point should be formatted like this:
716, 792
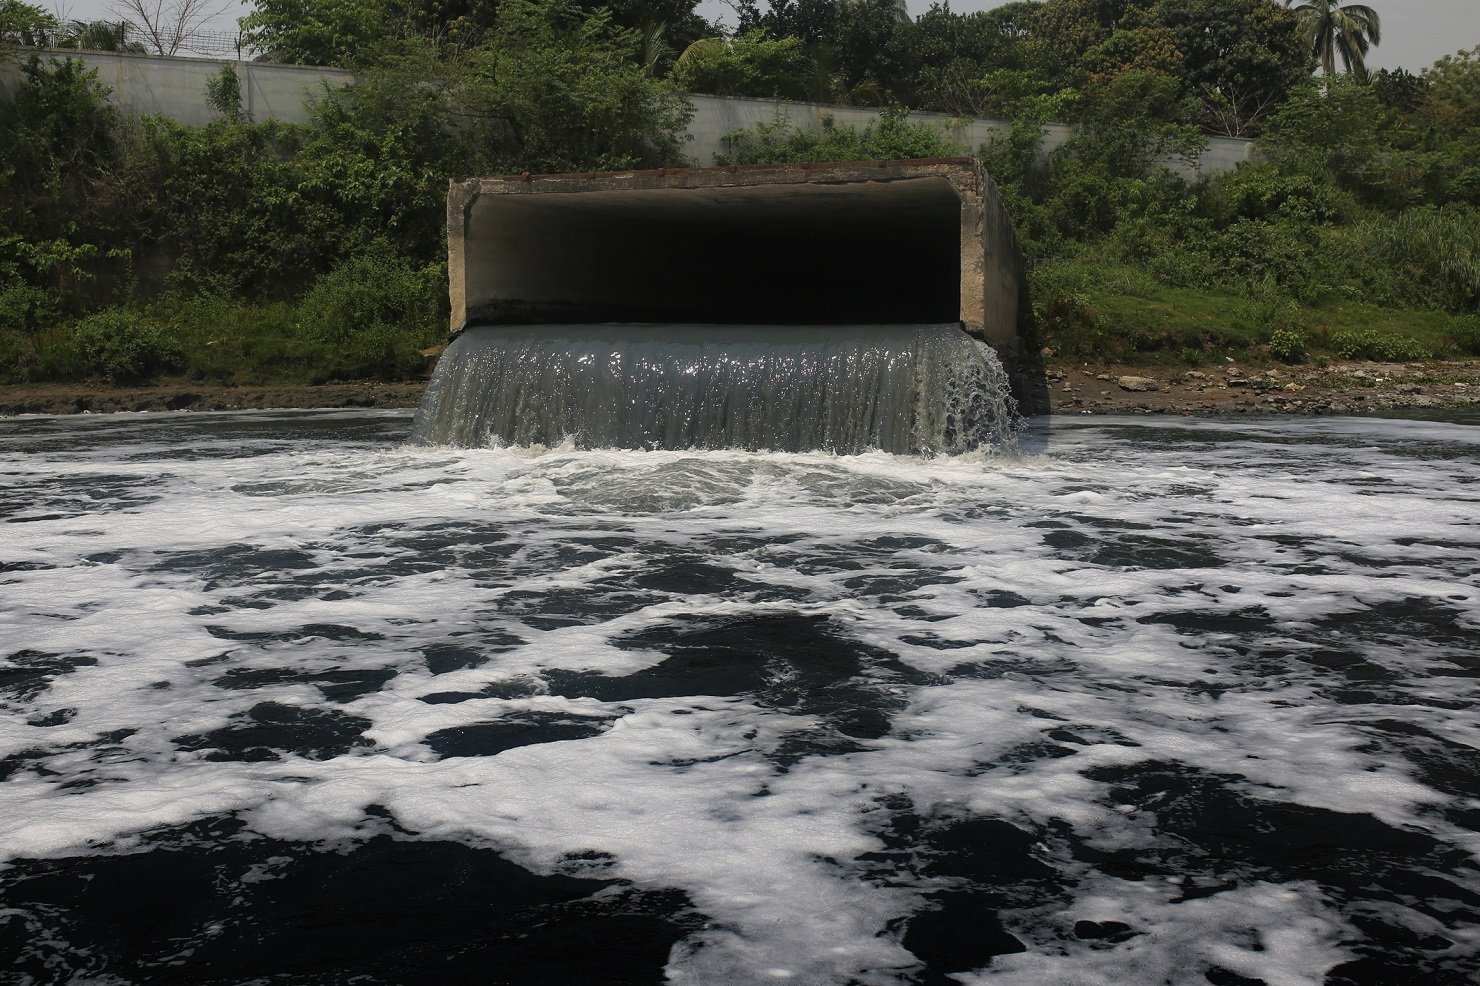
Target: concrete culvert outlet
875, 242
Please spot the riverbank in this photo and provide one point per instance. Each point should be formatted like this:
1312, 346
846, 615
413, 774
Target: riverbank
1344, 387
1339, 387
82, 398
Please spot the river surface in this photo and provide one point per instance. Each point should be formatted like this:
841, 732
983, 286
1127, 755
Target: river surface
286, 699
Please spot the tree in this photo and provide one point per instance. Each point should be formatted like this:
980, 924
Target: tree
1133, 122
1331, 28
24, 24
59, 131
1013, 20
1453, 101
316, 32
1241, 58
1399, 89
168, 25
851, 48
1067, 30
748, 64
945, 57
348, 33
99, 36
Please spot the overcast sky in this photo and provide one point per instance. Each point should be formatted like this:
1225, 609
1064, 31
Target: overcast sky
1415, 32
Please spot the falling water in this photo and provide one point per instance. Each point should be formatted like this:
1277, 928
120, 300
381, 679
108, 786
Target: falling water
906, 389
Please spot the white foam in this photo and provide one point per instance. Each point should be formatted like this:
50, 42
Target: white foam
1076, 589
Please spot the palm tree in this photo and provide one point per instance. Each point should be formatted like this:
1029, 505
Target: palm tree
1333, 28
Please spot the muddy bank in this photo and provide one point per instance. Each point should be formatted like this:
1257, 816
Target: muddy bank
1074, 388
64, 398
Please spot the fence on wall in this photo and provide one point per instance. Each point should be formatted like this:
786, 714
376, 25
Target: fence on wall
123, 36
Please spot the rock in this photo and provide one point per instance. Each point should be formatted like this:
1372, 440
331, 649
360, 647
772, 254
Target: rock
1113, 932
1237, 382
1102, 376
1138, 384
1193, 375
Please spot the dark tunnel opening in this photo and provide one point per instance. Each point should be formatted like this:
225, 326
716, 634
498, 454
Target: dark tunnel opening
799, 253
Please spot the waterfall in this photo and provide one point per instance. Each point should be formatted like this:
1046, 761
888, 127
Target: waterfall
907, 389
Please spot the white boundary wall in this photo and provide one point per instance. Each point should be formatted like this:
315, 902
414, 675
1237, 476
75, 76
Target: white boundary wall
715, 116
175, 87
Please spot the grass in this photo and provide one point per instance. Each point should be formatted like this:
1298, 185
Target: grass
1116, 313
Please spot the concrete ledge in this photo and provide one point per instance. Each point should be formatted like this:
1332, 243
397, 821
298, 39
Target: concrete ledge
880, 241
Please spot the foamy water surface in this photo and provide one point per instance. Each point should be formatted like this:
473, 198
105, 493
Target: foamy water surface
1156, 701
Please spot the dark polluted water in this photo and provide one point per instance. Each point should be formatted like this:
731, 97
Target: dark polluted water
286, 699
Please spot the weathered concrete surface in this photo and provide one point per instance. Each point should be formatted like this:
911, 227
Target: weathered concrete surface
882, 241
175, 87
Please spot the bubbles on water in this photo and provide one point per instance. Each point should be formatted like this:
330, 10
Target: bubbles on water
1189, 702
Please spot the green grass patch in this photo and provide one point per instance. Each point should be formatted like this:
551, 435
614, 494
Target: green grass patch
368, 320
1094, 309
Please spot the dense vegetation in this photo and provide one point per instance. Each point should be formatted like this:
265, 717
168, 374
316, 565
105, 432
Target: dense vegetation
135, 247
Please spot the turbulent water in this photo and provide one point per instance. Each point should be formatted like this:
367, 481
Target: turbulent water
845, 389
287, 699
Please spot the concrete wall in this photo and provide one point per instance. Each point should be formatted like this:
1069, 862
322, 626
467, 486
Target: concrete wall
175, 87
715, 116
885, 241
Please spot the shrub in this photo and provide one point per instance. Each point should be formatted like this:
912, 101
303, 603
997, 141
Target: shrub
1061, 292
1253, 252
1262, 191
1466, 339
380, 352
889, 138
1368, 344
124, 346
224, 92
28, 309
1288, 345
370, 291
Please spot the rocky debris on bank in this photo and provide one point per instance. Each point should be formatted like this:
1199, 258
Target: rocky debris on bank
1138, 384
1346, 387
